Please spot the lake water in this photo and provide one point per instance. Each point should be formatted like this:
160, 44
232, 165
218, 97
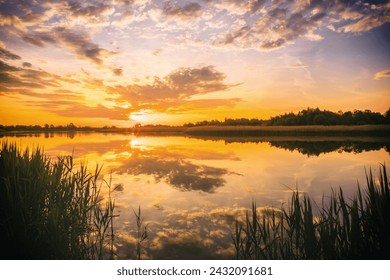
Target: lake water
191, 190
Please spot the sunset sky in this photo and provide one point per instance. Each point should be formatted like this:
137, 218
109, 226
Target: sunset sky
119, 62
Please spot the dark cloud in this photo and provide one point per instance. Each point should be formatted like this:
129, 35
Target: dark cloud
88, 8
33, 11
188, 11
117, 71
6, 54
272, 44
4, 67
38, 39
256, 5
82, 45
241, 33
191, 81
27, 64
27, 11
24, 80
7, 78
79, 42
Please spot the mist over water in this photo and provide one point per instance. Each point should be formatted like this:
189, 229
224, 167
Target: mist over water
191, 190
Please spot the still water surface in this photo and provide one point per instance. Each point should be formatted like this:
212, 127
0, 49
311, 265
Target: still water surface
191, 190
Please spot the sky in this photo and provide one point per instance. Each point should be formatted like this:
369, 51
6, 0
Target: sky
122, 62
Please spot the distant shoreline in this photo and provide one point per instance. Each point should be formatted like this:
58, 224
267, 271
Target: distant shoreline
333, 130
305, 130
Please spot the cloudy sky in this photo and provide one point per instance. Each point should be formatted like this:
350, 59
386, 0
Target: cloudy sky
118, 62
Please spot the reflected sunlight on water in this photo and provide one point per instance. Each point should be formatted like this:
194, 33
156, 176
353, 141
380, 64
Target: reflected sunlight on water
192, 190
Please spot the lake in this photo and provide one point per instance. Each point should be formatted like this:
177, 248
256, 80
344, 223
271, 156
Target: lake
191, 190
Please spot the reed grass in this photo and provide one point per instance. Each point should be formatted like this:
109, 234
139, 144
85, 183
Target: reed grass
142, 232
51, 210
356, 228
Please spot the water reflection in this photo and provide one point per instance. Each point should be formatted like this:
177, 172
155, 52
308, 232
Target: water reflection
46, 134
186, 234
173, 168
171, 164
323, 147
198, 234
314, 146
191, 190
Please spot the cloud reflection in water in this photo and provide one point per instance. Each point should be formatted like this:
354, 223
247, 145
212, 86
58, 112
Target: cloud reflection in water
174, 169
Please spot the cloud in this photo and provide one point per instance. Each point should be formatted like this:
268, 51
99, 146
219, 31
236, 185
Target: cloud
280, 23
117, 71
4, 67
48, 93
35, 12
258, 24
298, 66
6, 54
23, 80
79, 110
192, 81
237, 7
385, 74
175, 92
39, 39
157, 52
47, 22
82, 45
183, 106
78, 42
89, 9
6, 77
170, 94
11, 20
364, 24
175, 89
189, 11
274, 28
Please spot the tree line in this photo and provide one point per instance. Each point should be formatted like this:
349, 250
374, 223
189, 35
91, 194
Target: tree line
52, 128
309, 116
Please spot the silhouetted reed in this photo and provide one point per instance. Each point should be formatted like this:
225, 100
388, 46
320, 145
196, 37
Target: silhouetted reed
51, 210
142, 232
357, 228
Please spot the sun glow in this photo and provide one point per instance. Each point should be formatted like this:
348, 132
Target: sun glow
140, 117
64, 67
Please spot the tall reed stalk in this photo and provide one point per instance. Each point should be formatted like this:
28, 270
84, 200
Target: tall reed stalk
142, 232
356, 228
51, 210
